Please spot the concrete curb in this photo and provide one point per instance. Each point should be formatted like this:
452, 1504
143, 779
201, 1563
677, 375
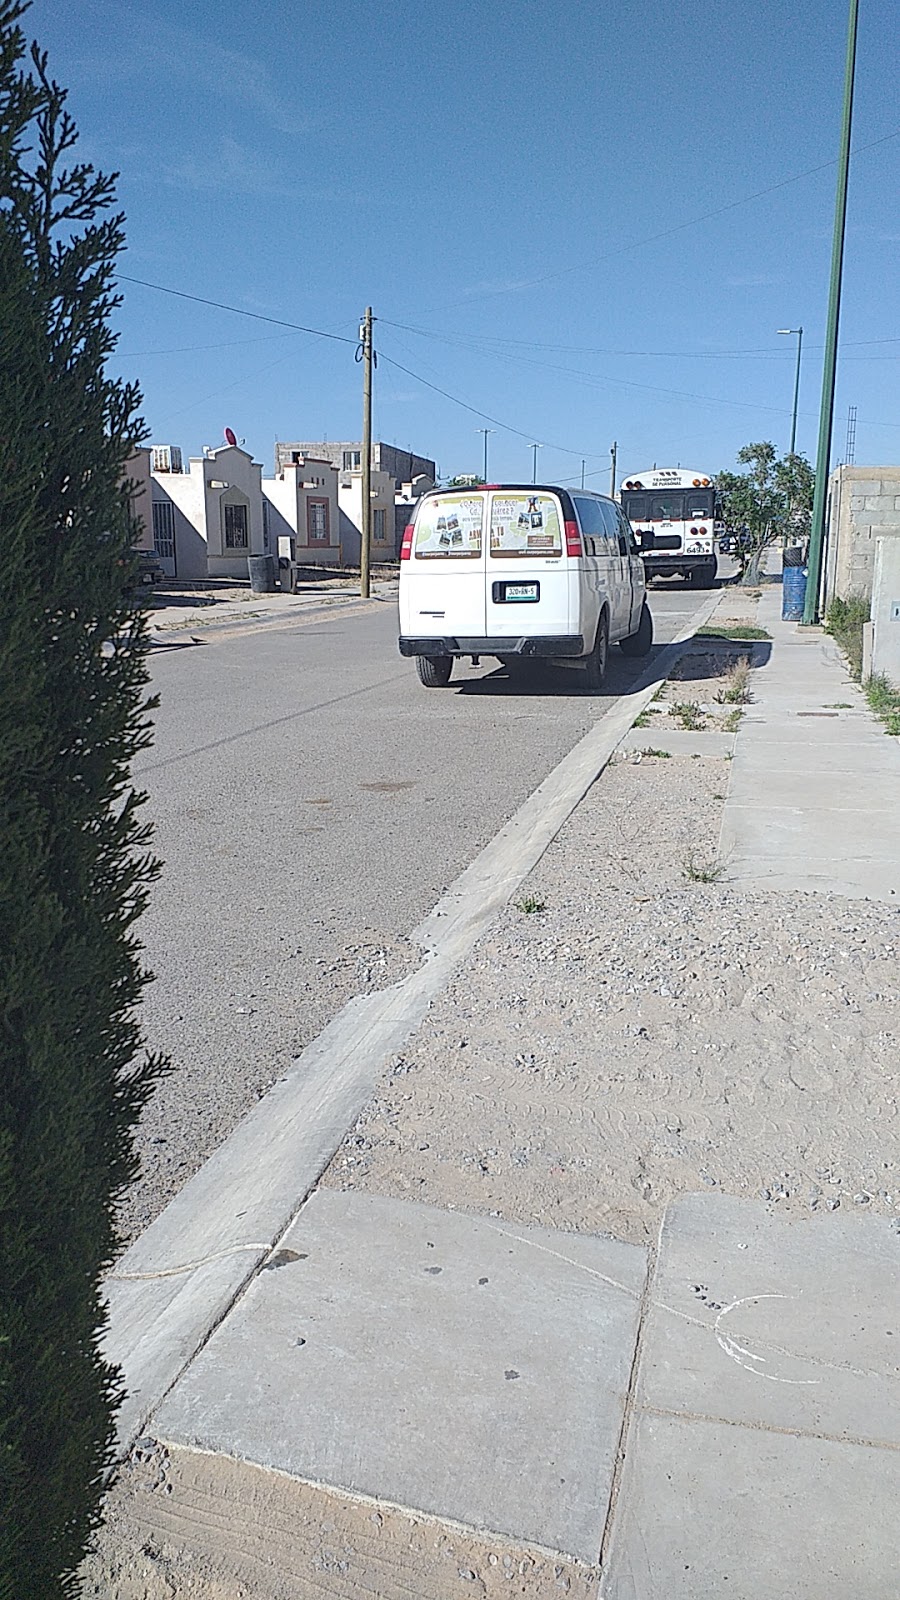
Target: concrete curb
178, 1281
219, 627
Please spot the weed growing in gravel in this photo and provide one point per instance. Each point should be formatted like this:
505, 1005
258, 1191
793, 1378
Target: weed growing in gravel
689, 715
884, 700
845, 620
736, 689
661, 755
732, 721
530, 905
698, 871
643, 721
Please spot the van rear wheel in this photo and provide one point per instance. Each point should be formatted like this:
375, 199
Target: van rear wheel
639, 642
595, 665
434, 671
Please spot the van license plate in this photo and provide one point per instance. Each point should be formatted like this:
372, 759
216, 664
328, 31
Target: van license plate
520, 591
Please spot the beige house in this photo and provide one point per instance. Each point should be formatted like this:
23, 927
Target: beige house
383, 489
302, 514
208, 520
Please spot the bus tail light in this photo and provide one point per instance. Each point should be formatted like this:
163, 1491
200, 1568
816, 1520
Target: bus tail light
406, 546
573, 540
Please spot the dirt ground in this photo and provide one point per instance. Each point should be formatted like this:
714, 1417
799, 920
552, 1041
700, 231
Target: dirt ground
627, 1031
630, 1029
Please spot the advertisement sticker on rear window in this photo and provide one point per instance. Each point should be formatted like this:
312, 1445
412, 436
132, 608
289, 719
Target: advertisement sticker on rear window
525, 525
450, 528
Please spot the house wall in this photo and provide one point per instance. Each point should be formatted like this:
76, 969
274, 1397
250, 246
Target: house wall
863, 504
290, 494
189, 561
400, 464
137, 468
226, 477
350, 501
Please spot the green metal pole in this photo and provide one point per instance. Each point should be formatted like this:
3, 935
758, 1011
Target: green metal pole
826, 413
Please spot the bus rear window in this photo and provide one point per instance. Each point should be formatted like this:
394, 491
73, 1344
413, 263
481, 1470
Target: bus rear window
667, 507
525, 525
450, 527
635, 507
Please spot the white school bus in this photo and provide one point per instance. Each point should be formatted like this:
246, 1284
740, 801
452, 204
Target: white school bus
681, 511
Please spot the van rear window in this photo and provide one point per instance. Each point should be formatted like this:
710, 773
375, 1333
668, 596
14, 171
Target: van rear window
450, 527
525, 525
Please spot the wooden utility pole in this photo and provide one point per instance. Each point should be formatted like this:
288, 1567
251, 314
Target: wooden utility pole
365, 532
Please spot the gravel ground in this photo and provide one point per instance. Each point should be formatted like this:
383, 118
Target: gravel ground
628, 1032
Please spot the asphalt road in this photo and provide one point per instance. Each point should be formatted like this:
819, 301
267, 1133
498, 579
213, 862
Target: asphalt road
311, 802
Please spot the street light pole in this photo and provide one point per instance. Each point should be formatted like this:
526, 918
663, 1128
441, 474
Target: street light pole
826, 411
534, 450
485, 431
799, 333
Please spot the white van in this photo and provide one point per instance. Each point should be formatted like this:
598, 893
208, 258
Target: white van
520, 571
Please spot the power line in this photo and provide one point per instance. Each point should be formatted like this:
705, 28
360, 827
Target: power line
240, 311
666, 233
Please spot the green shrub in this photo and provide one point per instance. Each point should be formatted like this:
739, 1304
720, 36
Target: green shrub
844, 620
74, 867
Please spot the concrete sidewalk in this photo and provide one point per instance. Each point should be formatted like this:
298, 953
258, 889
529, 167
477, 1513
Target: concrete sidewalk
350, 1394
168, 623
812, 802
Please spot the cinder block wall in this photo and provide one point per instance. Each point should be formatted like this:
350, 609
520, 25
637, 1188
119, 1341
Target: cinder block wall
863, 503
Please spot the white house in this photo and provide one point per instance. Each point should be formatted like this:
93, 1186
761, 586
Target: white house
208, 520
302, 513
350, 501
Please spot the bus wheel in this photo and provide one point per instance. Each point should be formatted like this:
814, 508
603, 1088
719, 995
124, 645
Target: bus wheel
595, 664
639, 642
434, 671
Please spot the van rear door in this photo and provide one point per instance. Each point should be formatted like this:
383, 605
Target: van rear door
443, 582
527, 583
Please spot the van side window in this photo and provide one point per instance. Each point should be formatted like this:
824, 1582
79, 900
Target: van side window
592, 526
628, 533
611, 520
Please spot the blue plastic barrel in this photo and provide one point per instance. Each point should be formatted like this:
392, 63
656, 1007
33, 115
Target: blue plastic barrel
793, 593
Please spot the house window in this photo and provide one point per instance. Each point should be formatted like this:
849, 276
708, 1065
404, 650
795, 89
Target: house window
351, 460
317, 521
164, 529
378, 533
236, 530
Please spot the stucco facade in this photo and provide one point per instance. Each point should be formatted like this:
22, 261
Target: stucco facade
346, 456
301, 505
863, 505
217, 519
383, 523
137, 470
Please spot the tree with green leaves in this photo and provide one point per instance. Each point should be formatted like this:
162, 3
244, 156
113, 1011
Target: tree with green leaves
464, 480
74, 854
771, 500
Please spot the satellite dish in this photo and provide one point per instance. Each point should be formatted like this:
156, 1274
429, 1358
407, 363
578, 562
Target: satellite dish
230, 436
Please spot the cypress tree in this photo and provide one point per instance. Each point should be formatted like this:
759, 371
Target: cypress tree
74, 854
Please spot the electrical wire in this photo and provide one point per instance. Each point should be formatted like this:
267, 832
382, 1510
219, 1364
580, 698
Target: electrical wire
200, 300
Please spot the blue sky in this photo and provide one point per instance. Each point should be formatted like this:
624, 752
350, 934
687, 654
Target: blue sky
490, 178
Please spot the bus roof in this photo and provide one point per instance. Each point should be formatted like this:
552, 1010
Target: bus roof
667, 478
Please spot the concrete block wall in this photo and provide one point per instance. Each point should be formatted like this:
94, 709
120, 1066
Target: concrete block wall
863, 505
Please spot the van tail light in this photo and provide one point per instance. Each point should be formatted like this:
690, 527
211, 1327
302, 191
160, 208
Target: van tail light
406, 546
573, 540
